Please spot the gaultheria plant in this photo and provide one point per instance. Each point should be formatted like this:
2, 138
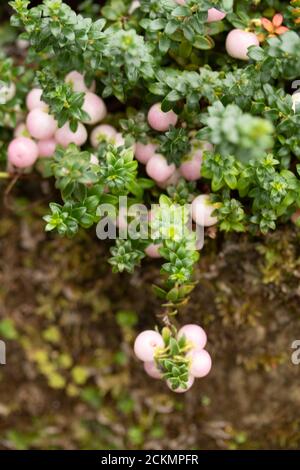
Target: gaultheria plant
187, 108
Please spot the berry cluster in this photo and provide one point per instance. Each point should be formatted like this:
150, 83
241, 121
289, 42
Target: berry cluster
177, 357
39, 135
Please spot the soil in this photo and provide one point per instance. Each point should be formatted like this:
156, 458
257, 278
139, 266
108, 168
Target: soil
71, 380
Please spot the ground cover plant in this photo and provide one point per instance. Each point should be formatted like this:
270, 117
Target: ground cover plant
188, 110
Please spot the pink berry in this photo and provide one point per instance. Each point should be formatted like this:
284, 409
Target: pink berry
94, 160
146, 344
190, 169
180, 2
119, 140
22, 44
101, 133
76, 80
190, 382
152, 250
159, 120
34, 101
238, 42
193, 334
21, 130
172, 181
40, 124
22, 152
143, 152
95, 107
215, 15
152, 370
134, 5
64, 136
46, 147
159, 169
200, 363
202, 211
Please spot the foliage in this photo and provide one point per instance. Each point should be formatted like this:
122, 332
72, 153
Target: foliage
169, 53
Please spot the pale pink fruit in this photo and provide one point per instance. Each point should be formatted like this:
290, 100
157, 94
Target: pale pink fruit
7, 92
21, 130
159, 169
146, 345
152, 250
200, 363
77, 82
134, 5
238, 42
22, 44
94, 160
143, 152
159, 120
64, 136
152, 370
194, 334
46, 147
215, 15
40, 124
95, 107
172, 181
101, 133
190, 382
202, 211
180, 2
119, 140
33, 100
190, 168
22, 152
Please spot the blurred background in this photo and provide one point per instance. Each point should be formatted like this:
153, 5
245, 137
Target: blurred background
71, 380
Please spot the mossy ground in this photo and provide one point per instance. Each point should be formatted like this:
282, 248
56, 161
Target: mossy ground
71, 380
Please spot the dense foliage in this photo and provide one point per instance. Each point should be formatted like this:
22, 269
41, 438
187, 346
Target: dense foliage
173, 78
